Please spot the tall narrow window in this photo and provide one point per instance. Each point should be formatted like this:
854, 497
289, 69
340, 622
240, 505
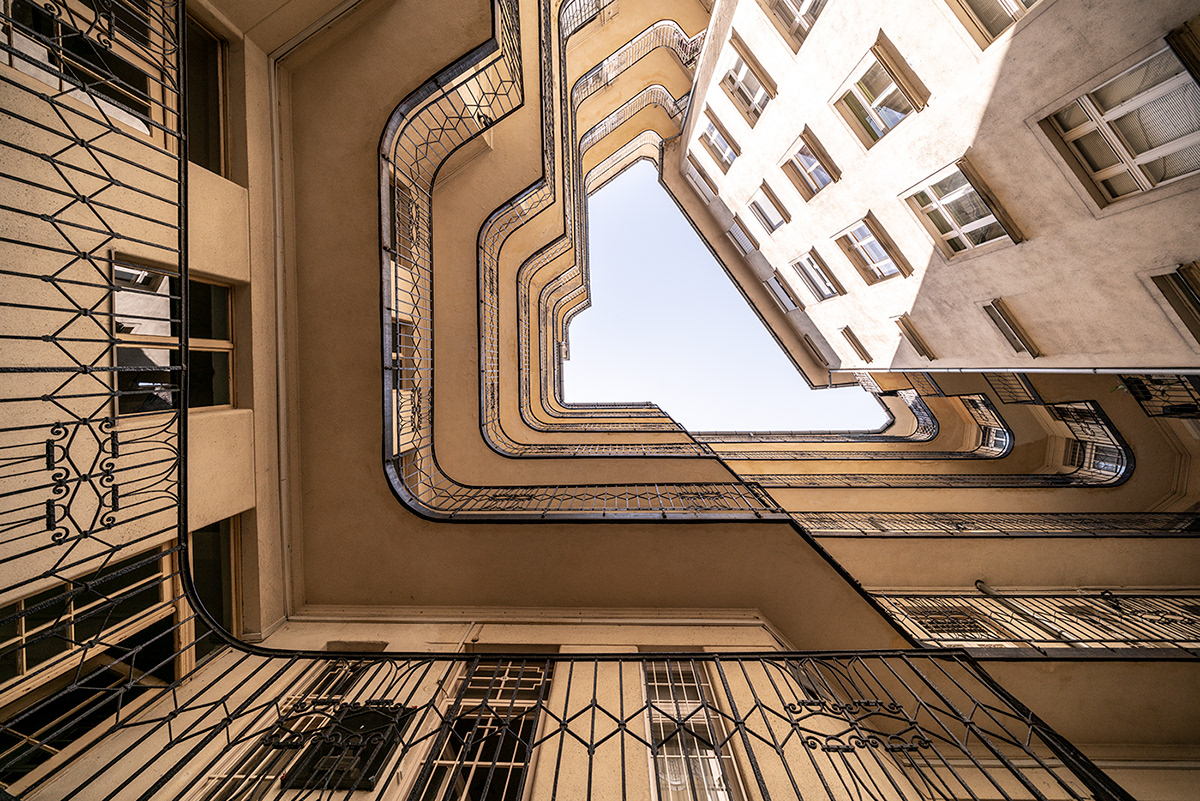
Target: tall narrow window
856, 344
213, 553
914, 338
1012, 331
1182, 290
699, 180
686, 736
1135, 132
205, 110
719, 143
747, 83
767, 209
816, 276
872, 252
741, 239
782, 293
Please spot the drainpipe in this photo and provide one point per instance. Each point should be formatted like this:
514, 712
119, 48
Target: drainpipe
1058, 633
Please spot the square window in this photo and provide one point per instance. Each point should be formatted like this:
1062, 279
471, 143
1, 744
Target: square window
746, 82
810, 168
1136, 131
768, 210
872, 251
957, 214
884, 93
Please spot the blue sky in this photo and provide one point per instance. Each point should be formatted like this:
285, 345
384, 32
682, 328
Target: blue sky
667, 325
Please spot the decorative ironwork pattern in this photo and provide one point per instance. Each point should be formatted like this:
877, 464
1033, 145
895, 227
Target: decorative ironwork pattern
1012, 388
1093, 620
996, 524
889, 725
1165, 395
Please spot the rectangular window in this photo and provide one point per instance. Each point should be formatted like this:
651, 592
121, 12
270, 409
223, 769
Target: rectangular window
720, 145
699, 180
747, 83
872, 251
1182, 290
956, 214
1135, 132
741, 239
856, 344
111, 602
987, 19
205, 108
885, 93
146, 322
1002, 317
491, 735
687, 733
1012, 388
810, 169
213, 552
816, 276
767, 208
111, 76
814, 351
782, 293
914, 338
794, 18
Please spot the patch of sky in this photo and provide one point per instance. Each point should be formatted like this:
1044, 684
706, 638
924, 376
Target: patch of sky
668, 325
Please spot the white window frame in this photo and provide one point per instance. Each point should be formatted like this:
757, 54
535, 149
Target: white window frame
1100, 121
860, 243
796, 17
746, 87
782, 293
719, 145
939, 205
768, 210
808, 173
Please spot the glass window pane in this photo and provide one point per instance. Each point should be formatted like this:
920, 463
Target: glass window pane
1096, 152
985, 233
209, 307
893, 107
1174, 165
869, 126
1120, 185
967, 208
874, 252
145, 383
1162, 120
209, 376
204, 97
939, 221
1137, 80
874, 82
992, 15
1071, 117
956, 244
950, 183
142, 303
212, 567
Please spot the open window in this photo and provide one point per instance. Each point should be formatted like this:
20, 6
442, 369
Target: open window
810, 168
768, 209
884, 91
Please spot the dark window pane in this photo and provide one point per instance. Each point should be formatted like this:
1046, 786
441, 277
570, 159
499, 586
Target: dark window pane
209, 375
105, 74
203, 98
212, 570
208, 305
144, 381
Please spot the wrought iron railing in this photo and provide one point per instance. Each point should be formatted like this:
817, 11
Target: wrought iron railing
694, 726
1114, 622
1165, 395
997, 524
1012, 388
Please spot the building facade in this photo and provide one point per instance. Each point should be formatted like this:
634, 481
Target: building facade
256, 546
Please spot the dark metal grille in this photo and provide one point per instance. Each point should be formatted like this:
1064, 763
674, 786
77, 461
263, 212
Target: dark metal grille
1012, 388
1043, 621
991, 524
1165, 395
868, 725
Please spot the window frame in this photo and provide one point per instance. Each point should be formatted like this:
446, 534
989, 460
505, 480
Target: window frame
902, 81
1015, 9
856, 344
1181, 289
1098, 121
800, 175
854, 246
972, 183
56, 71
783, 293
909, 333
813, 258
751, 104
1009, 328
771, 200
701, 184
168, 342
708, 136
737, 243
804, 13
222, 95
